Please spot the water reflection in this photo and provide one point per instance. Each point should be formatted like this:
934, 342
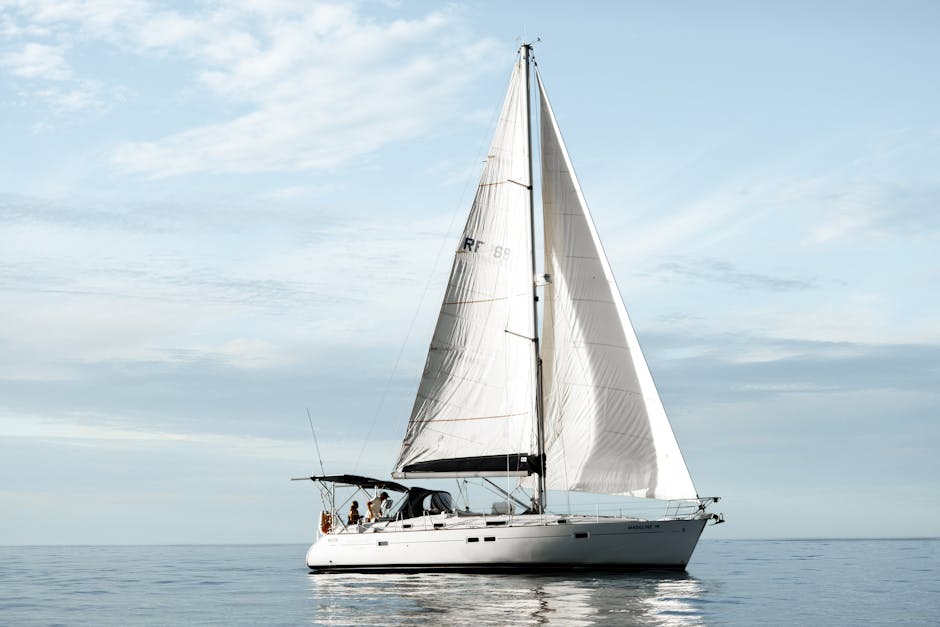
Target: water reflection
579, 599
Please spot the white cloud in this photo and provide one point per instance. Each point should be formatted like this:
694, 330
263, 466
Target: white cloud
873, 208
323, 90
94, 430
78, 96
322, 83
84, 286
40, 128
39, 61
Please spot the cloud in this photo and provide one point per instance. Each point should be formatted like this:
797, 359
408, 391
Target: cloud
37, 61
322, 91
889, 189
48, 77
316, 86
874, 209
866, 188
713, 270
751, 367
170, 302
78, 96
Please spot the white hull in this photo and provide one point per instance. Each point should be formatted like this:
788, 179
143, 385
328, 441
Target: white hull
528, 542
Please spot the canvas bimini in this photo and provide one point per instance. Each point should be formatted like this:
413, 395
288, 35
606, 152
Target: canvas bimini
573, 410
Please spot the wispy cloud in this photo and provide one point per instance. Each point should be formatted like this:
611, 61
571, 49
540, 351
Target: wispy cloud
321, 91
713, 270
747, 366
871, 209
112, 432
36, 60
316, 85
86, 285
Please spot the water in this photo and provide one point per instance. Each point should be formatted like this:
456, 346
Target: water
730, 582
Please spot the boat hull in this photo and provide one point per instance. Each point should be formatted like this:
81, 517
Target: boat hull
589, 544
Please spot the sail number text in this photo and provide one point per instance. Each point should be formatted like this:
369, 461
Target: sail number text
472, 245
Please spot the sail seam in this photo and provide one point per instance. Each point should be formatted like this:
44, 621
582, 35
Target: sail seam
495, 183
485, 300
465, 419
474, 302
607, 344
597, 386
457, 377
592, 300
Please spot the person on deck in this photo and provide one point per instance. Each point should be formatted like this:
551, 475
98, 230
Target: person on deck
354, 515
375, 506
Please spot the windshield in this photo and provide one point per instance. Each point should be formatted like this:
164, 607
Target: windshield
420, 501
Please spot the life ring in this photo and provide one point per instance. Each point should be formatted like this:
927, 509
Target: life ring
326, 522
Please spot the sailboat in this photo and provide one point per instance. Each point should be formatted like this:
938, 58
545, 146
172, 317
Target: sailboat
572, 409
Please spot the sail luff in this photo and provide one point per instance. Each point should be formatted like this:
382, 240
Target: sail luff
608, 430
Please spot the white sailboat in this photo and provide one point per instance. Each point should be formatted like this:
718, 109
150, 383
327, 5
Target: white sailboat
573, 410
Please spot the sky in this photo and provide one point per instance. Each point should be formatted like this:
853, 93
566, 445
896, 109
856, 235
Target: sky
216, 216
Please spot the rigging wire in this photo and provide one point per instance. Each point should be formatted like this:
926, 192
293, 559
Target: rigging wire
315, 443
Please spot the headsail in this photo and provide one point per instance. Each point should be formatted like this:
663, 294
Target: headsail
606, 429
474, 413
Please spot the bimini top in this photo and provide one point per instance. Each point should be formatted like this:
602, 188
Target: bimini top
361, 482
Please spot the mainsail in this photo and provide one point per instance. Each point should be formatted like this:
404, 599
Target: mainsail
606, 429
475, 408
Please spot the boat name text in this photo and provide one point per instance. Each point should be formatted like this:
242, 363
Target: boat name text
473, 246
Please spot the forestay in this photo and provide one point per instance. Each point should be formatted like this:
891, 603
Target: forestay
606, 429
474, 412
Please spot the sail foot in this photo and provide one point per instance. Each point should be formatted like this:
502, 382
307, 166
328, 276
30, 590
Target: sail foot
514, 465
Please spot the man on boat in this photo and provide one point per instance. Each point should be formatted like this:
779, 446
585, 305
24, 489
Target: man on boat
375, 506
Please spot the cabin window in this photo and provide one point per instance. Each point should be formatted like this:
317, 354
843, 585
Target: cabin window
582, 534
383, 543
473, 539
438, 525
489, 539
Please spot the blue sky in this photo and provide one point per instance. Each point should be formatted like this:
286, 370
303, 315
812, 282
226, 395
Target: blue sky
214, 216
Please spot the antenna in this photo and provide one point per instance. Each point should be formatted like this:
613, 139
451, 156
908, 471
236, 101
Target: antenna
315, 443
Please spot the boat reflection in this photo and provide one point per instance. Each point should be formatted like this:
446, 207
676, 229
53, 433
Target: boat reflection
659, 598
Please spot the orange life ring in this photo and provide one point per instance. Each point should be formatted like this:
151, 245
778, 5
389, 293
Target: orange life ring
326, 522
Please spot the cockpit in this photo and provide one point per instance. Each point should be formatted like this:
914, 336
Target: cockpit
421, 501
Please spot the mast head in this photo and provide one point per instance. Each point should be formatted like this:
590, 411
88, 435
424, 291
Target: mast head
526, 48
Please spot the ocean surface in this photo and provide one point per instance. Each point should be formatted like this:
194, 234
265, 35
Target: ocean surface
729, 582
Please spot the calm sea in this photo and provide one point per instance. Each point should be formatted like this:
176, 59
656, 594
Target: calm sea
730, 582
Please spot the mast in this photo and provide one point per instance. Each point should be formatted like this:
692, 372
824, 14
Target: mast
526, 51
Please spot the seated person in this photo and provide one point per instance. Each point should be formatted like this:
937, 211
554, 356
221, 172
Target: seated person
375, 506
354, 515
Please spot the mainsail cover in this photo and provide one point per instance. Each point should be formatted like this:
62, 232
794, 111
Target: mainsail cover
606, 429
475, 408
